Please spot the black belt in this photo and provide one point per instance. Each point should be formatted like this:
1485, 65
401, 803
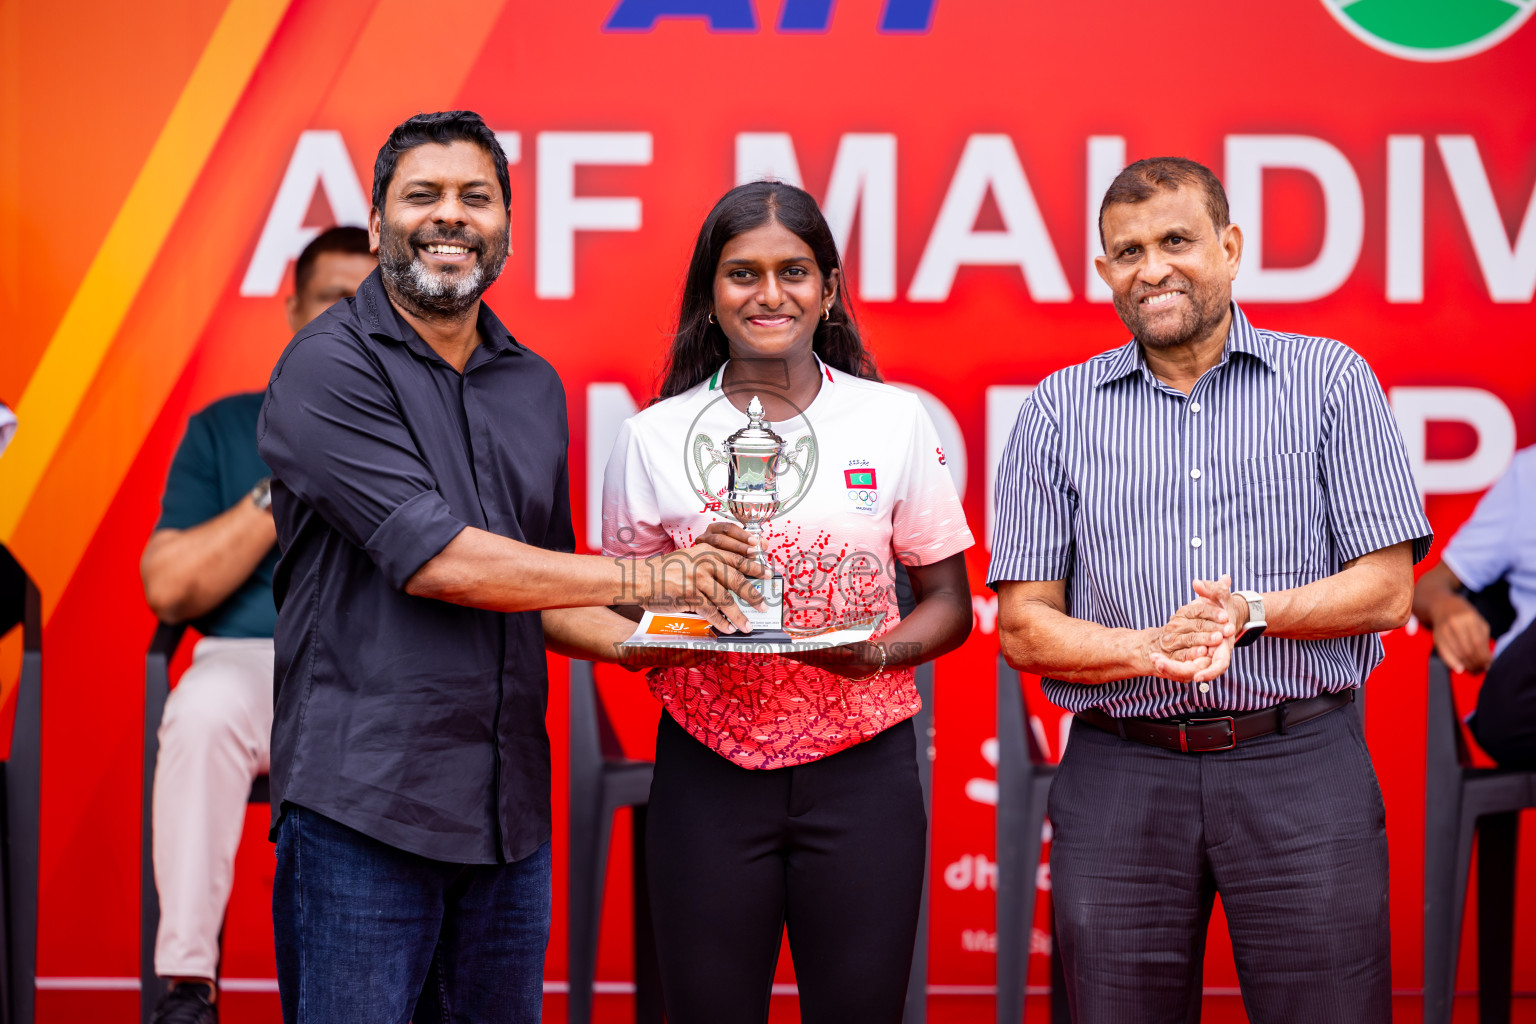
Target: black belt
1196, 734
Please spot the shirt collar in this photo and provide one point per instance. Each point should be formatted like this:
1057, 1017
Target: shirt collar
380, 319
1119, 362
1245, 338
717, 379
1242, 337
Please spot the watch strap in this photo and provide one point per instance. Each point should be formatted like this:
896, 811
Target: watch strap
1256, 624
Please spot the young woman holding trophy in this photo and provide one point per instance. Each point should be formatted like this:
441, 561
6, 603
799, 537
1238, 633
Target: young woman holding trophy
786, 788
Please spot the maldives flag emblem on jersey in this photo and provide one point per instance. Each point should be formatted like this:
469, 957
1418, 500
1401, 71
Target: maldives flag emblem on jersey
859, 479
863, 496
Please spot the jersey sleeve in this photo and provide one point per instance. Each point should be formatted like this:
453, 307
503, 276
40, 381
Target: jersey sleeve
927, 523
631, 513
1482, 551
192, 486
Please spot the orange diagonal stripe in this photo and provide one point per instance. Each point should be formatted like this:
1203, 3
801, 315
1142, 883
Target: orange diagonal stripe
131, 246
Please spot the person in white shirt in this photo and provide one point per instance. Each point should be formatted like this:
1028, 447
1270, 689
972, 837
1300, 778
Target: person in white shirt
7, 426
785, 788
1497, 543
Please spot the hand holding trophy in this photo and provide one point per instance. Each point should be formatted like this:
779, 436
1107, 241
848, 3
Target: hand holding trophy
754, 458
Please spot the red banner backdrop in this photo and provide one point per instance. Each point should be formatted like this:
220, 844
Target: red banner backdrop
163, 163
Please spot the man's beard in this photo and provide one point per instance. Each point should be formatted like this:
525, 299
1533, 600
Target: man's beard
449, 293
1204, 311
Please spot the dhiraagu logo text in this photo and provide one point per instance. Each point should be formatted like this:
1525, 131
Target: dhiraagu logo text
1431, 29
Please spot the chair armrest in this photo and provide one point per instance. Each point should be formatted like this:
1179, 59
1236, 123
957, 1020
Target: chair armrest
32, 621
166, 639
1015, 727
20, 602
593, 741
1446, 745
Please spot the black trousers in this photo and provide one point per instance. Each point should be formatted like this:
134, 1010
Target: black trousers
1505, 722
1289, 829
834, 849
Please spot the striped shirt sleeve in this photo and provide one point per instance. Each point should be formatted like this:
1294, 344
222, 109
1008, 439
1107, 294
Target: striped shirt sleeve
927, 522
1032, 535
1372, 500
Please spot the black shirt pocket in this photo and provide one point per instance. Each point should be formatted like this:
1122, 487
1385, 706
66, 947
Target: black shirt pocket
1286, 532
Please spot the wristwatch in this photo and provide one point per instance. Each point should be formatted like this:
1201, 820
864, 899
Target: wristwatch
261, 494
1254, 627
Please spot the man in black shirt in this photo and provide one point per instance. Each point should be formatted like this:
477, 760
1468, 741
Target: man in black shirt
420, 491
209, 563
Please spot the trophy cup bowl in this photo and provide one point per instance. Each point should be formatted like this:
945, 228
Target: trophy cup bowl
754, 457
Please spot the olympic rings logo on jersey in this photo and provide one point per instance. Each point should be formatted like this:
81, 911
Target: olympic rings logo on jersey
862, 488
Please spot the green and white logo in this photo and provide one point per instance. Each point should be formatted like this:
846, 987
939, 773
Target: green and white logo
1431, 29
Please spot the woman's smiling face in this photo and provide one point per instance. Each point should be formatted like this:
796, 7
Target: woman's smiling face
769, 293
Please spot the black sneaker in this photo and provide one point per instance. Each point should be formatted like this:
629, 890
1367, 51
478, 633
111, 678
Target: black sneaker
186, 1004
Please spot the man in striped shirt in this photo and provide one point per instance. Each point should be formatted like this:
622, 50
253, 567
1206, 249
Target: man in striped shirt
1199, 535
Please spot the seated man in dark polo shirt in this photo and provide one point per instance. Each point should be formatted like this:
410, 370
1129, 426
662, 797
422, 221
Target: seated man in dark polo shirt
209, 563
419, 484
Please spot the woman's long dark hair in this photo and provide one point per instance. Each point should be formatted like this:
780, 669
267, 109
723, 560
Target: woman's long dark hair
699, 347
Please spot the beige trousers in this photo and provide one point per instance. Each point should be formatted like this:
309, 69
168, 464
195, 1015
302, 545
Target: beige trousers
215, 738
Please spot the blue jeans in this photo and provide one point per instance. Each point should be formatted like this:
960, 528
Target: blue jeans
370, 934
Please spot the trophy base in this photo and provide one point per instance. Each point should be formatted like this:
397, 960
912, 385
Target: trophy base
758, 636
766, 623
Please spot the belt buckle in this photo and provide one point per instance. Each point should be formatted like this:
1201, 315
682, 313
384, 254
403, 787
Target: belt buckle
1231, 731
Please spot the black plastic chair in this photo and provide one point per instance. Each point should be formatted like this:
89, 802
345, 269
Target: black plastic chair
21, 605
157, 687
1024, 777
916, 1009
602, 781
1463, 802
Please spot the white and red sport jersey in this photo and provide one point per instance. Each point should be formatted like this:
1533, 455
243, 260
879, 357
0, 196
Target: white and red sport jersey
877, 491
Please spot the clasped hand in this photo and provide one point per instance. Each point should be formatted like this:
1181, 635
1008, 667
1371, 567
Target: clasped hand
1195, 645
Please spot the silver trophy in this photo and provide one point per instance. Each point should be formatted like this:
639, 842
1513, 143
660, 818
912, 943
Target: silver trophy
754, 458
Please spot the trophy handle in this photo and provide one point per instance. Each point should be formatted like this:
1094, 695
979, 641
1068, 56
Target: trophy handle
701, 444
805, 468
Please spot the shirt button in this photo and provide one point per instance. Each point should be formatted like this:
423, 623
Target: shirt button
1205, 687
1194, 542
1194, 406
1195, 473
